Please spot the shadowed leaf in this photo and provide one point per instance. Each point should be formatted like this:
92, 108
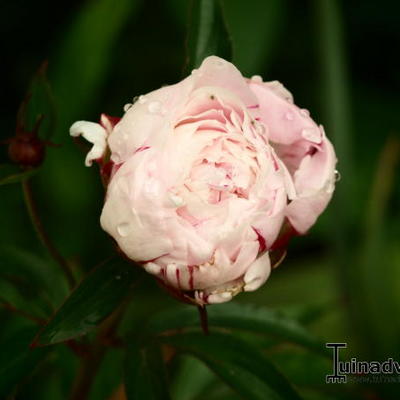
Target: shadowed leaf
241, 317
239, 365
17, 360
207, 34
91, 302
145, 376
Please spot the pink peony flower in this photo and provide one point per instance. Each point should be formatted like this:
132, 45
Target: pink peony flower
205, 174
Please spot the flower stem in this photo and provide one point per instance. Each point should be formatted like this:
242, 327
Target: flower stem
203, 319
42, 234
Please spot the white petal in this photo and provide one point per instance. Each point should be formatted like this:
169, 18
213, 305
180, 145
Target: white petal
219, 297
93, 133
257, 274
152, 268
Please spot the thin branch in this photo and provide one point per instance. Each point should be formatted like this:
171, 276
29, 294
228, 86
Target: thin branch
91, 363
203, 319
42, 234
8, 306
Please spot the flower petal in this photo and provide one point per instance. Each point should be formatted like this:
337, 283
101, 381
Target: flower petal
93, 133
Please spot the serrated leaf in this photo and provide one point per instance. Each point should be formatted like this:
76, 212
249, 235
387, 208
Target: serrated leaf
91, 302
17, 360
242, 317
239, 365
145, 376
207, 34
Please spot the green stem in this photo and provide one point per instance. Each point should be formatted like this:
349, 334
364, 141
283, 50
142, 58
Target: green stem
42, 234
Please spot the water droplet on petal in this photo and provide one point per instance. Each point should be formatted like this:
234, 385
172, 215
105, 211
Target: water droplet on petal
220, 63
142, 99
256, 78
289, 116
127, 106
338, 176
304, 112
194, 71
330, 187
177, 201
135, 99
154, 107
123, 229
115, 158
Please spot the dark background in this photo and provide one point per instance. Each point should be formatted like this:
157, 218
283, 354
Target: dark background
338, 58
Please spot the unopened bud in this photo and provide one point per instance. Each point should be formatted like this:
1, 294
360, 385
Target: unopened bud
26, 150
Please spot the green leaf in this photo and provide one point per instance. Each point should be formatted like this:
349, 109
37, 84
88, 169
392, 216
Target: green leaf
17, 359
109, 375
243, 317
93, 300
263, 25
207, 34
12, 174
85, 53
41, 102
191, 380
239, 365
145, 376
35, 277
293, 361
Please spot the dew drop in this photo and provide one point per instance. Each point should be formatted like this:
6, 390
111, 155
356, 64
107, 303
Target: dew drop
289, 116
330, 187
127, 106
135, 99
142, 99
115, 158
256, 78
338, 176
125, 136
304, 112
154, 107
123, 229
177, 201
194, 71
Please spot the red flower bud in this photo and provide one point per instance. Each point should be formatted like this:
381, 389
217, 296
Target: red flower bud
26, 149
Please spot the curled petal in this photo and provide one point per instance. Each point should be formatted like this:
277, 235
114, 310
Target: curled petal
93, 133
257, 273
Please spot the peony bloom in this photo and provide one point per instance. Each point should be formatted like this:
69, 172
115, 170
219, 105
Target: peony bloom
205, 175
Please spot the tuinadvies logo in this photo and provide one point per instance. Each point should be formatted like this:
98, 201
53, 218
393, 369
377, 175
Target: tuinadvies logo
341, 369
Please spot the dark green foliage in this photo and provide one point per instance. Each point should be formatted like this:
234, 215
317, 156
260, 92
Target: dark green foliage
342, 280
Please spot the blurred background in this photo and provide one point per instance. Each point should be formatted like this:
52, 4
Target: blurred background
338, 58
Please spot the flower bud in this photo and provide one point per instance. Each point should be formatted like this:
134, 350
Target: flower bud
210, 177
26, 150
